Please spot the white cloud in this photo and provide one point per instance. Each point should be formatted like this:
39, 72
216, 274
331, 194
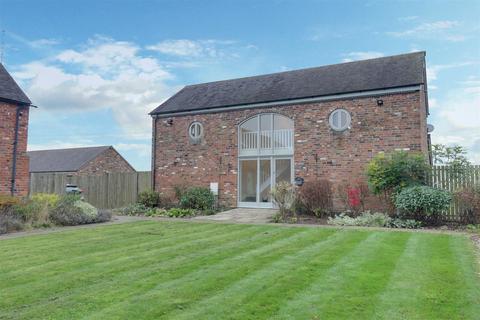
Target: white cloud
44, 43
442, 30
457, 120
105, 74
408, 18
433, 70
362, 55
194, 48
141, 149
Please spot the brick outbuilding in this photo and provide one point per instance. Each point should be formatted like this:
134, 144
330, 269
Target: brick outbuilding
14, 109
79, 161
319, 123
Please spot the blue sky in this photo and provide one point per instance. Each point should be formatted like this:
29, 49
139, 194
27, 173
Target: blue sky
96, 68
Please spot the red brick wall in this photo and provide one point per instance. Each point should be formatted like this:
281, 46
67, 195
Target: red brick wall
398, 124
7, 134
108, 161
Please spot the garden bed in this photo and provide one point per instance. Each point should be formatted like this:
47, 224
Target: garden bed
47, 210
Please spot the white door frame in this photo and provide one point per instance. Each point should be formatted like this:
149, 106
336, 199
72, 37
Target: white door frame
258, 203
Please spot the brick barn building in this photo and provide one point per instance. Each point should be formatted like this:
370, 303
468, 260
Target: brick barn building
79, 161
14, 108
319, 123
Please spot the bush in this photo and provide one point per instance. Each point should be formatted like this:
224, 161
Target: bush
168, 201
405, 223
353, 195
422, 202
317, 197
8, 201
42, 203
179, 213
366, 219
468, 200
197, 198
49, 199
284, 196
149, 198
9, 220
135, 209
71, 211
387, 173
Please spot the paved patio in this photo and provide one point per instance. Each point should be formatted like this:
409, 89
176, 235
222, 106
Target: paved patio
242, 215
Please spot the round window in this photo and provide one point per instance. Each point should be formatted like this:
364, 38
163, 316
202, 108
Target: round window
195, 131
340, 120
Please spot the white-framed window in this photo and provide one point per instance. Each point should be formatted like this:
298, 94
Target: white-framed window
195, 131
266, 133
340, 120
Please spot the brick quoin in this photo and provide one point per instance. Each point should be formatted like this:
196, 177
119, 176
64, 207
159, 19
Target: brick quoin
319, 153
7, 134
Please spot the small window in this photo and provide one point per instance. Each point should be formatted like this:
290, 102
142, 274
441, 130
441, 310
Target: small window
195, 131
340, 120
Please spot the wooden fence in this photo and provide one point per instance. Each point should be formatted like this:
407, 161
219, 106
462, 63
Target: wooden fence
110, 190
444, 177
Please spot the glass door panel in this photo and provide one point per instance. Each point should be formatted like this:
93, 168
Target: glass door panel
265, 180
248, 180
283, 170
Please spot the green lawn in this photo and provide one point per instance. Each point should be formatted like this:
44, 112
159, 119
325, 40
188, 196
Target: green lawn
181, 270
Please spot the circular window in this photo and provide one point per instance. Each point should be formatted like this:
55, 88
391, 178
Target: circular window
195, 131
340, 120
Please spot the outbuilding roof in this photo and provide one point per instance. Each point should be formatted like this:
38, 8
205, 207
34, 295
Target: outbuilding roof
63, 160
9, 89
358, 76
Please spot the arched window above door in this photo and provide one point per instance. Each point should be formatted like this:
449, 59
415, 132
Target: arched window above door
266, 134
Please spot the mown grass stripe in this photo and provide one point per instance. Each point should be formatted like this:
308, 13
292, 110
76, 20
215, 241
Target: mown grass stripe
62, 245
468, 275
258, 293
425, 284
209, 277
121, 249
355, 280
247, 273
134, 264
140, 280
186, 291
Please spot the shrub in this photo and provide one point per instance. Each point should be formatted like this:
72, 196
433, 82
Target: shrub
405, 223
42, 204
168, 200
50, 199
9, 220
71, 211
180, 189
149, 198
284, 196
135, 209
366, 219
468, 200
317, 197
353, 195
387, 173
86, 208
197, 198
103, 216
179, 213
422, 202
8, 201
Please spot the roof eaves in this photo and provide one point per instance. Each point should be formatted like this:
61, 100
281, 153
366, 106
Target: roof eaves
283, 101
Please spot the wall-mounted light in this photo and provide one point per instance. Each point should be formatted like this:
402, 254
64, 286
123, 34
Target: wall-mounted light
379, 102
168, 122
